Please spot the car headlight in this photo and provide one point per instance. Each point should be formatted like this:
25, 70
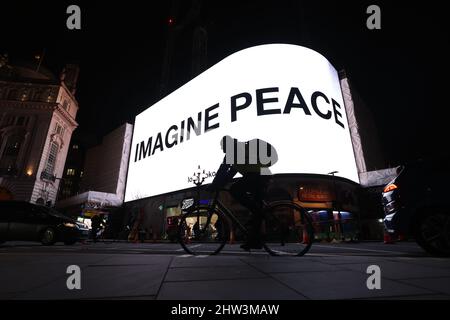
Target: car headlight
70, 225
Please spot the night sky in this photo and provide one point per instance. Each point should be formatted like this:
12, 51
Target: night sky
400, 71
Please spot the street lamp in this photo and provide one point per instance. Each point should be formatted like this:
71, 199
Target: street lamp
336, 204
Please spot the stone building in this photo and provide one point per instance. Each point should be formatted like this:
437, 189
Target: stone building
37, 119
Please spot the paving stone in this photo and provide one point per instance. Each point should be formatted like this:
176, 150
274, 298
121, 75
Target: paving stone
242, 289
441, 285
343, 285
402, 270
212, 273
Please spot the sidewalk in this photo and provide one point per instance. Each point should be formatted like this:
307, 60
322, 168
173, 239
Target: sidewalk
250, 277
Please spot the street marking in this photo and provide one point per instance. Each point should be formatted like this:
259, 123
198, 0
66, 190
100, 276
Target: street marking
185, 256
202, 256
358, 249
323, 255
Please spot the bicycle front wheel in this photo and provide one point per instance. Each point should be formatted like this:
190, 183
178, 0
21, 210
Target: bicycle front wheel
203, 231
287, 230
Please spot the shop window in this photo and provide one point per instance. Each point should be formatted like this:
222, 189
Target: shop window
70, 172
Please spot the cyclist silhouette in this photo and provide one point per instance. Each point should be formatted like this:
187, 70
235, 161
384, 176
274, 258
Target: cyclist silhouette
252, 160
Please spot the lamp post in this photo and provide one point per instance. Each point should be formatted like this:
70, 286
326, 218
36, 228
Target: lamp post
337, 204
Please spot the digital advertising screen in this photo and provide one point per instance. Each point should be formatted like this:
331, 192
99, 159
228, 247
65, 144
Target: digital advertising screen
286, 95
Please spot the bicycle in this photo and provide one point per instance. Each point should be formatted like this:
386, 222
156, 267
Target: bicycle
204, 229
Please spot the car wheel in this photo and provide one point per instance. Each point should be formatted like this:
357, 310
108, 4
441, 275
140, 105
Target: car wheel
432, 232
70, 242
48, 237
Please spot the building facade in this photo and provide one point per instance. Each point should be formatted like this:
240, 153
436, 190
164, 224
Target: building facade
37, 119
102, 185
73, 172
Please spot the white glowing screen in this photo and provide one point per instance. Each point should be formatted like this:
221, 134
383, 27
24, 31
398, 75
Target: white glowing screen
287, 95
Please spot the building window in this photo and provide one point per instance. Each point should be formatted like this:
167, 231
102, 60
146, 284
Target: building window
66, 105
59, 129
13, 146
49, 97
20, 121
51, 161
13, 94
37, 96
10, 154
81, 174
8, 120
75, 146
70, 172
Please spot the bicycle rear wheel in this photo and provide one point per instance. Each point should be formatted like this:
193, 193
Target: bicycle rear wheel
203, 231
287, 230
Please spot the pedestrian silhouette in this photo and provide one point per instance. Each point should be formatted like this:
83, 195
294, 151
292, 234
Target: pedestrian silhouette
96, 225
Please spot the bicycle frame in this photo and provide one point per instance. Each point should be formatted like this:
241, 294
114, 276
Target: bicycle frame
217, 204
234, 223
228, 213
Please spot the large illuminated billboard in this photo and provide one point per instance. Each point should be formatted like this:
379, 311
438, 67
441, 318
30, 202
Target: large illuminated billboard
287, 95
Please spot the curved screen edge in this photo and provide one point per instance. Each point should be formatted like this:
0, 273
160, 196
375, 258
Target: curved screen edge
287, 95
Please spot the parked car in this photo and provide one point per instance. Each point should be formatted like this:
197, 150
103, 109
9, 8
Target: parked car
23, 221
416, 202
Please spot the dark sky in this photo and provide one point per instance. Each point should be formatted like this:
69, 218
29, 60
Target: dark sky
400, 71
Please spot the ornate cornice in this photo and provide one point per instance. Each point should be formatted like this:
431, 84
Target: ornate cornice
45, 106
33, 105
64, 114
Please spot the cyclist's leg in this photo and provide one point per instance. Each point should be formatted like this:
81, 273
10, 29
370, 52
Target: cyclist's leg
249, 191
258, 188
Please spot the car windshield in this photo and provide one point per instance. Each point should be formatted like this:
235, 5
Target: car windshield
55, 213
